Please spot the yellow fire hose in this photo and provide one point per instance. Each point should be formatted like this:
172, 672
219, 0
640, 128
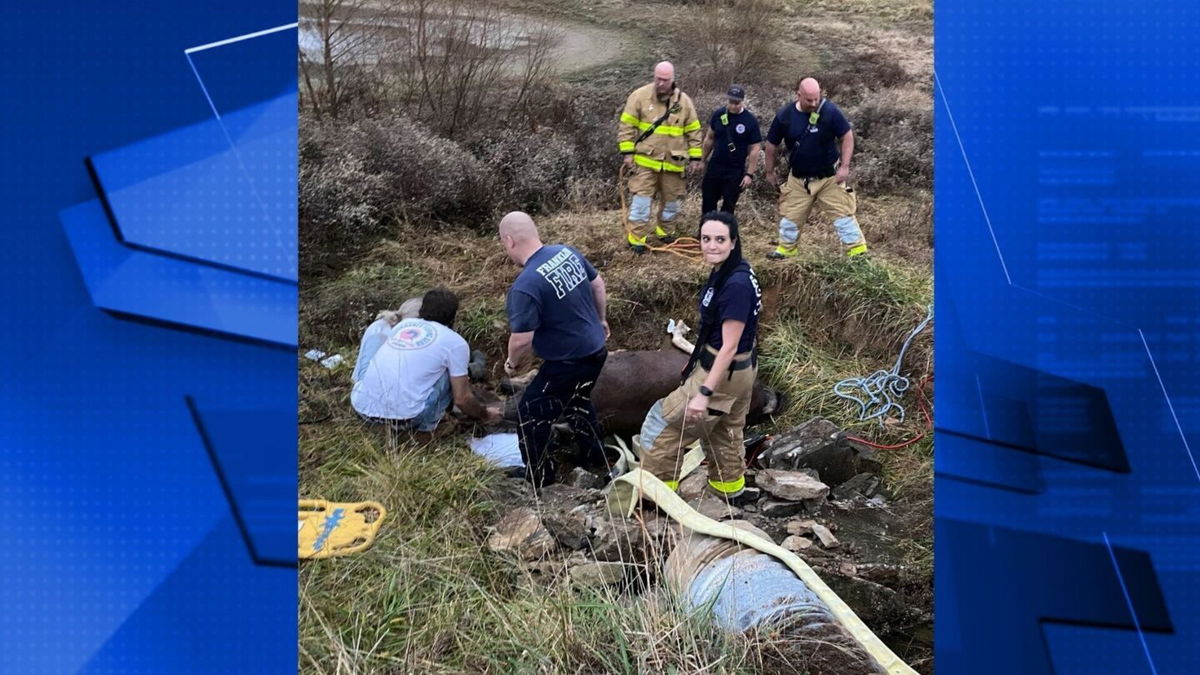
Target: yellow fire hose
638, 484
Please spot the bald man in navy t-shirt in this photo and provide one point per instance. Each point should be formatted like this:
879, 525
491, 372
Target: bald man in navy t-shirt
556, 308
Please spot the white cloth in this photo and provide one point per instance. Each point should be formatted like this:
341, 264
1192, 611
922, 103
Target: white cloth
398, 380
502, 450
373, 338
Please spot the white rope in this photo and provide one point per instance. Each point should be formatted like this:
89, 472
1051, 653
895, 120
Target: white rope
877, 394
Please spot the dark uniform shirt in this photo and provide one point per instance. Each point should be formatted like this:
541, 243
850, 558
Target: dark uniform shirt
813, 148
740, 299
552, 296
742, 130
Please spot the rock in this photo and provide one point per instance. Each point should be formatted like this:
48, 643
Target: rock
873, 603
567, 497
809, 471
800, 527
865, 484
656, 527
775, 508
544, 571
817, 444
792, 485
693, 486
884, 574
477, 368
750, 508
715, 508
582, 478
521, 531
568, 529
618, 539
600, 573
750, 494
826, 537
796, 544
848, 569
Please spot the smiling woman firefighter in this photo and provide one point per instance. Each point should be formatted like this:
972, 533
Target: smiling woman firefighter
711, 402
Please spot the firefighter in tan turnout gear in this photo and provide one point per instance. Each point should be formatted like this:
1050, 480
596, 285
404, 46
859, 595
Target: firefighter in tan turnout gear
659, 135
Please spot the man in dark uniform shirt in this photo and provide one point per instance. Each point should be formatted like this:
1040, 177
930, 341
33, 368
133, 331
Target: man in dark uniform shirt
730, 149
556, 308
820, 144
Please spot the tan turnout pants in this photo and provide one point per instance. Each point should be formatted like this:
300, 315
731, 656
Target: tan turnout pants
644, 184
719, 434
834, 201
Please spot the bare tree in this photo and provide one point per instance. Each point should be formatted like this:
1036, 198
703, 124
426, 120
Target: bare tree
336, 46
731, 38
534, 64
461, 60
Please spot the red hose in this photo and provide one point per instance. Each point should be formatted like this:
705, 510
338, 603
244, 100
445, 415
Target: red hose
924, 411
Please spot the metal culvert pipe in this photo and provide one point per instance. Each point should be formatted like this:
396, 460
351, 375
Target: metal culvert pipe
751, 591
741, 589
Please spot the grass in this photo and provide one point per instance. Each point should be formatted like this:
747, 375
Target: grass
334, 311
429, 597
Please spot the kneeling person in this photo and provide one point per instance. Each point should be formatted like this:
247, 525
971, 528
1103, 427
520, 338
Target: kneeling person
419, 371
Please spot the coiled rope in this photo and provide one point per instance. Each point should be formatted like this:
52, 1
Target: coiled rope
877, 394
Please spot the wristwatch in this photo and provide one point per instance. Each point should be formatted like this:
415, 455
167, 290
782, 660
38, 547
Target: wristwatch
705, 391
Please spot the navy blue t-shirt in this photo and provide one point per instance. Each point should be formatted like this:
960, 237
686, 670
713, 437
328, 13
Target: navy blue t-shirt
740, 299
813, 148
552, 297
742, 130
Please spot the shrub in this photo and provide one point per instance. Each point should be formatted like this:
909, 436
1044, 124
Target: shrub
894, 142
357, 180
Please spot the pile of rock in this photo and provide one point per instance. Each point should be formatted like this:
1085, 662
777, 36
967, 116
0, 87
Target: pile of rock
569, 531
804, 469
819, 445
801, 535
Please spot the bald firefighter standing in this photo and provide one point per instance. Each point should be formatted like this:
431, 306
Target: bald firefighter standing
820, 144
659, 135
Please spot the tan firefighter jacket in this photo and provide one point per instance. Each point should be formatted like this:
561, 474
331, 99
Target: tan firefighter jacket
672, 143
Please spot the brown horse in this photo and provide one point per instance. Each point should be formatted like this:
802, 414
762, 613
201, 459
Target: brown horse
633, 380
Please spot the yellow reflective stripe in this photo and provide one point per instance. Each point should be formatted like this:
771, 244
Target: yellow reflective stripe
636, 241
788, 251
695, 152
728, 486
668, 131
857, 250
694, 126
625, 146
673, 484
656, 165
642, 160
633, 121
